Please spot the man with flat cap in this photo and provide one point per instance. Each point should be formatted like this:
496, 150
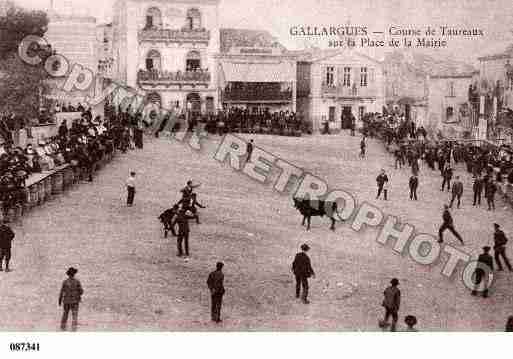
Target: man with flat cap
499, 247
216, 286
485, 261
391, 303
302, 269
69, 298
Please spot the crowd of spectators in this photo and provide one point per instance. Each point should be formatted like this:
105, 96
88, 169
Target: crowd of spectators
262, 121
81, 144
411, 145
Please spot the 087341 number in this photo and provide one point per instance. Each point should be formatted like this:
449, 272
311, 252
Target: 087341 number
24, 347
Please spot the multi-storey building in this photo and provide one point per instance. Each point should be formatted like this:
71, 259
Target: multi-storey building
255, 71
496, 81
335, 85
166, 48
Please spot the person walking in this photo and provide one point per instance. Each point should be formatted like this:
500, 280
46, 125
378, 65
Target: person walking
182, 219
391, 303
302, 269
485, 260
490, 190
382, 181
363, 146
447, 177
69, 298
6, 238
249, 150
499, 248
414, 184
447, 224
477, 187
215, 283
130, 188
457, 191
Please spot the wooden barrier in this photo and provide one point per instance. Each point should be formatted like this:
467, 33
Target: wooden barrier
40, 187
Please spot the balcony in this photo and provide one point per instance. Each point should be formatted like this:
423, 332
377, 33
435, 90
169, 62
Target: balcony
340, 91
170, 36
172, 78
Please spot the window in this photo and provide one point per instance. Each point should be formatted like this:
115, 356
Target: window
332, 114
193, 19
330, 76
193, 61
153, 18
153, 61
361, 112
347, 77
449, 113
363, 77
450, 89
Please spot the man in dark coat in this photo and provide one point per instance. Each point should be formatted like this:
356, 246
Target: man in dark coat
490, 189
69, 298
447, 175
302, 269
486, 260
182, 219
216, 286
249, 150
6, 237
414, 184
457, 191
391, 303
382, 181
499, 248
478, 190
447, 224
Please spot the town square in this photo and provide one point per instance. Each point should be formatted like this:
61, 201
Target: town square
167, 172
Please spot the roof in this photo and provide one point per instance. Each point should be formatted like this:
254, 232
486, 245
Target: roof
435, 67
506, 54
246, 72
247, 38
317, 54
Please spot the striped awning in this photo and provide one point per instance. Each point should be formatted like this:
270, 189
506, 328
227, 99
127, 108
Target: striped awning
258, 72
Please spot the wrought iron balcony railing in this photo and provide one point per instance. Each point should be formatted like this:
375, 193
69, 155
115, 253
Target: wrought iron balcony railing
347, 92
173, 77
170, 35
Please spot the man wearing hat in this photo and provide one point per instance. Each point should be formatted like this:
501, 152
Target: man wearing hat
302, 269
391, 302
216, 286
188, 189
69, 297
485, 260
6, 237
499, 247
447, 224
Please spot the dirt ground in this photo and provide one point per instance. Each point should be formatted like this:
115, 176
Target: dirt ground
133, 280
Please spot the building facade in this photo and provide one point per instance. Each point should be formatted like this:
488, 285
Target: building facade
74, 36
166, 48
333, 86
255, 72
406, 87
495, 85
449, 110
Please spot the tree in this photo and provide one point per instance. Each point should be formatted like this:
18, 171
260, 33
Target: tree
20, 83
15, 24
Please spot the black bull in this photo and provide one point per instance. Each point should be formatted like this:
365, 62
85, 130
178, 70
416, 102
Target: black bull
316, 208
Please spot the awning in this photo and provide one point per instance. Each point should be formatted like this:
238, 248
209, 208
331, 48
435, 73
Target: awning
258, 72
